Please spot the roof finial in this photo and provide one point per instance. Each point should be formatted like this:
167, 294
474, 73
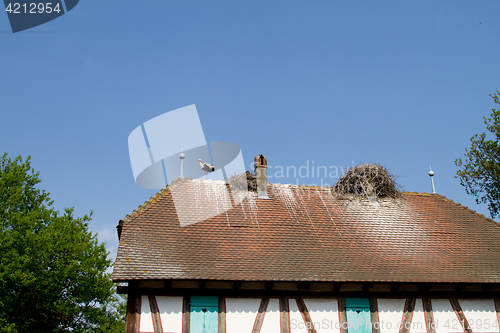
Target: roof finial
431, 174
182, 156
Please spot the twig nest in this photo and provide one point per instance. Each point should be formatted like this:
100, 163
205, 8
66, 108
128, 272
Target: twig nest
243, 182
368, 180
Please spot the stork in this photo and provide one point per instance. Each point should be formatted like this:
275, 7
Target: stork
206, 167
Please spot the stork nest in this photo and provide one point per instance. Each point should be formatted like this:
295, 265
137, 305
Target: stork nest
367, 180
246, 181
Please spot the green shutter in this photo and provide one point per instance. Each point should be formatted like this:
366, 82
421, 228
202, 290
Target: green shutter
204, 314
358, 315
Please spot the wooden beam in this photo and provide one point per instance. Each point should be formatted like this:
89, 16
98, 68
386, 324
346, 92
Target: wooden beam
284, 313
186, 317
487, 287
304, 285
260, 315
374, 315
305, 315
133, 312
460, 314
407, 315
156, 315
222, 315
395, 286
343, 315
424, 287
122, 290
429, 316
497, 309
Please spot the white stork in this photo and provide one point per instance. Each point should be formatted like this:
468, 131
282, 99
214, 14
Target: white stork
206, 167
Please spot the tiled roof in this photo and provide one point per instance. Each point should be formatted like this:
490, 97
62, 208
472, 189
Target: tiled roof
307, 234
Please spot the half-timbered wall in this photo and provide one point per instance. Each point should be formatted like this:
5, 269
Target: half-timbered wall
174, 314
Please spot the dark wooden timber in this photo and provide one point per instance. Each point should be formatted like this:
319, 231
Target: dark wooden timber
423, 287
186, 308
486, 287
260, 315
429, 317
284, 311
304, 285
307, 294
460, 314
373, 315
222, 315
497, 309
305, 315
133, 312
321, 289
343, 315
156, 315
122, 290
407, 315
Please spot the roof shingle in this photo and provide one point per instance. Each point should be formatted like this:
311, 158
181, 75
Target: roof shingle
308, 234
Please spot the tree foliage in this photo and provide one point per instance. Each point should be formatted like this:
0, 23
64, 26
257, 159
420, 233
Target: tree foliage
52, 268
479, 172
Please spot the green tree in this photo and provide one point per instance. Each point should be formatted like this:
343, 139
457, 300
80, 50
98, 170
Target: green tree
479, 172
52, 268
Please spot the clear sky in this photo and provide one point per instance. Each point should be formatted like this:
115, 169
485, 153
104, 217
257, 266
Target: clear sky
404, 84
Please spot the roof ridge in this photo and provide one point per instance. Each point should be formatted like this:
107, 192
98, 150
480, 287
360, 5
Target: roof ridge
471, 210
456, 203
308, 187
167, 189
146, 204
417, 193
154, 198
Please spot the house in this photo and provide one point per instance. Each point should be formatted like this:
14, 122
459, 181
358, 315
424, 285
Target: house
302, 259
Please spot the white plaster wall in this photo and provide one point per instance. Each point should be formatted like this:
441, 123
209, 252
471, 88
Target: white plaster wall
324, 314
390, 313
444, 316
271, 323
480, 314
170, 309
241, 314
418, 319
146, 319
297, 324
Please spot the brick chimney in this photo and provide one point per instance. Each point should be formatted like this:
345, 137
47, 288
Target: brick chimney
260, 163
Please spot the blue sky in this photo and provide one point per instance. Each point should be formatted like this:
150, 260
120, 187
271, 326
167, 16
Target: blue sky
404, 84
